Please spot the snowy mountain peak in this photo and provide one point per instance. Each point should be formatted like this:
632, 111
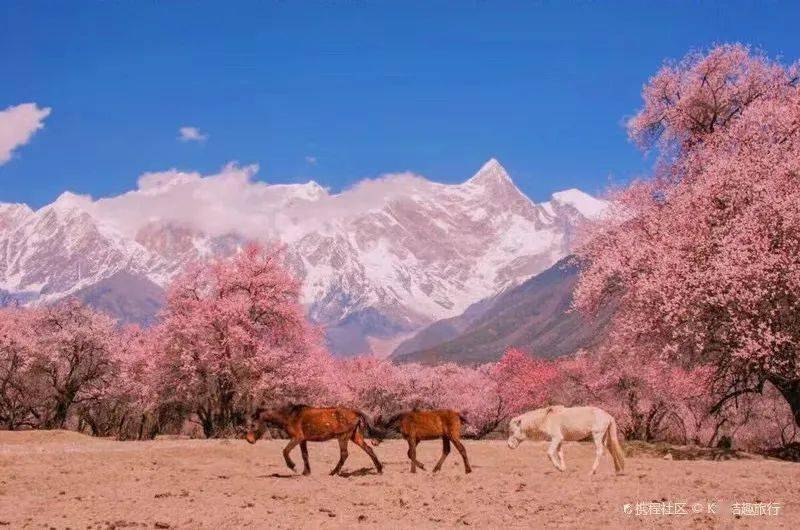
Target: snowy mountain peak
68, 201
491, 173
310, 191
588, 206
313, 190
14, 208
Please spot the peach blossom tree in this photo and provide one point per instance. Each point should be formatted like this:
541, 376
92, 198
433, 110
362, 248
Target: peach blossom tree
16, 346
233, 333
485, 395
74, 360
703, 257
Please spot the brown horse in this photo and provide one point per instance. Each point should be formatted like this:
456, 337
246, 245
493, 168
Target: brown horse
418, 425
308, 424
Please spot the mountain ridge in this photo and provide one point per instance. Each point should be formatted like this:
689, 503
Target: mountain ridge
378, 261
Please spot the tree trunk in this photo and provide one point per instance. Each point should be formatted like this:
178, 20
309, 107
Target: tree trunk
61, 414
224, 417
140, 432
207, 421
790, 389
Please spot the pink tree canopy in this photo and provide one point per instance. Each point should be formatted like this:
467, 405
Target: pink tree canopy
17, 397
689, 100
74, 359
234, 332
704, 256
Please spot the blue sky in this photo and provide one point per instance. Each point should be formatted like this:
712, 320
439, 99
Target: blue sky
362, 87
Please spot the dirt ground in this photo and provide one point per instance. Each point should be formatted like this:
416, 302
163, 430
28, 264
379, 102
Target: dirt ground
60, 480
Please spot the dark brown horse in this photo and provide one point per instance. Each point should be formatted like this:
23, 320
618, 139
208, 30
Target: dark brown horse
308, 424
418, 425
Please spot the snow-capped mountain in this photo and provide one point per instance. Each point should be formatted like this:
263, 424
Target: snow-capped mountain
379, 261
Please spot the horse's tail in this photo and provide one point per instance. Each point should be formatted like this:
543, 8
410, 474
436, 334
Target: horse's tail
612, 443
371, 431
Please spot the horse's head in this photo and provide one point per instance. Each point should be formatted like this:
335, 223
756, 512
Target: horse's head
258, 421
515, 433
252, 436
255, 428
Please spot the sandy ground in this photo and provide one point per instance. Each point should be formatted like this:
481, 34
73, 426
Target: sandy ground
65, 480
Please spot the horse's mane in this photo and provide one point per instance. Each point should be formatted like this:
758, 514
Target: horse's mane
293, 408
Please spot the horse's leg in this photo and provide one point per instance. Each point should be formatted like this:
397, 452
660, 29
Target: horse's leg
463, 451
560, 455
342, 454
358, 439
304, 452
552, 452
445, 452
412, 454
598, 446
417, 462
288, 449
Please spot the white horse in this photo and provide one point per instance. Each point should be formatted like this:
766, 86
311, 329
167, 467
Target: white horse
559, 424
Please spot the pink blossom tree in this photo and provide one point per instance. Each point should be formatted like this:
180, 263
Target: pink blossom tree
128, 407
523, 381
473, 392
703, 257
687, 101
234, 332
379, 386
382, 388
73, 359
376, 386
16, 346
649, 397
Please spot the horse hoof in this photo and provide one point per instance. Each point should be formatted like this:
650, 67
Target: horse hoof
306, 472
468, 470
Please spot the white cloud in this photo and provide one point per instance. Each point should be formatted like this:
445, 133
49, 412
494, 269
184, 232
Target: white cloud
17, 125
311, 160
156, 182
233, 202
191, 134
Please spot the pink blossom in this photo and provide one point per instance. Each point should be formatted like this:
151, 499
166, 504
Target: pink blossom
703, 260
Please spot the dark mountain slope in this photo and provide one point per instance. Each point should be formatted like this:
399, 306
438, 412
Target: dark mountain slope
533, 316
130, 298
